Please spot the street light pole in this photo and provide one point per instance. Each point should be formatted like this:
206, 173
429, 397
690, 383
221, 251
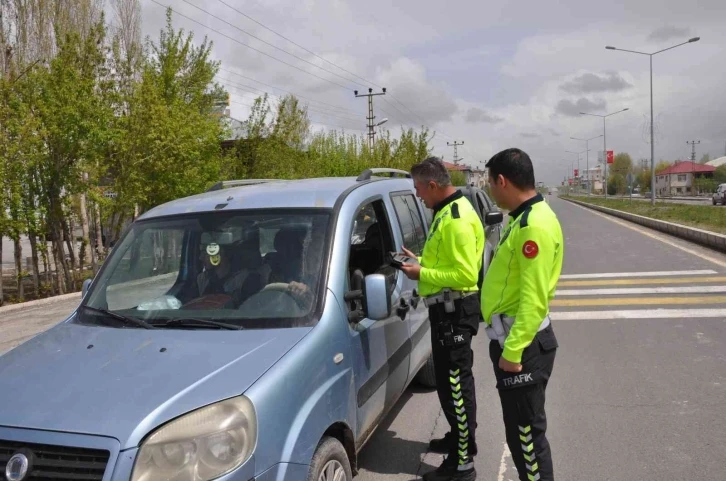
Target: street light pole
652, 136
604, 145
587, 149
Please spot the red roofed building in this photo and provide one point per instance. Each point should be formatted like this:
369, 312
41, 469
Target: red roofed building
474, 177
678, 178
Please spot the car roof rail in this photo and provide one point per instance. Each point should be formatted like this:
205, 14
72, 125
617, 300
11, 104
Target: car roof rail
224, 184
368, 173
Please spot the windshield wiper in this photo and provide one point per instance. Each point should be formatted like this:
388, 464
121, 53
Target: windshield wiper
194, 322
127, 320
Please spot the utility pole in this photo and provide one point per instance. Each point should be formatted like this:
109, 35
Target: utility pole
693, 150
456, 151
693, 163
371, 117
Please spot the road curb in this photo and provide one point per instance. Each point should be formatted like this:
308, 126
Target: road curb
697, 236
39, 302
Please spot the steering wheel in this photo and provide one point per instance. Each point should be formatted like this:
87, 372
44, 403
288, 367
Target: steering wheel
277, 286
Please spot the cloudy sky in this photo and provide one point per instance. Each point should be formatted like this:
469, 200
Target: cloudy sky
491, 74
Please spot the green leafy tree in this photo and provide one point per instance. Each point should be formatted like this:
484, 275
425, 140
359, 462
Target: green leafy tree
719, 175
458, 178
170, 141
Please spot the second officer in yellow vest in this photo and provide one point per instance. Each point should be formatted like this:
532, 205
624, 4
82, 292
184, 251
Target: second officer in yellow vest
448, 274
518, 287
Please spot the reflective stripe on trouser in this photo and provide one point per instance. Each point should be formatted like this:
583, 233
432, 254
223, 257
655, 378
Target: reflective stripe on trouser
455, 387
523, 407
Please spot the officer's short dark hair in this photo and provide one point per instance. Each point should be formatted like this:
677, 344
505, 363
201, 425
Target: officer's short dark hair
432, 168
515, 166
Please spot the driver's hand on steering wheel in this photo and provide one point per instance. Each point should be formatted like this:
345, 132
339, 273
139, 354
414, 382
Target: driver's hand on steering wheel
298, 289
301, 291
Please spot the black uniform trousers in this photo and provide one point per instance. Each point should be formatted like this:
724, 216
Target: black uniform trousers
523, 405
451, 335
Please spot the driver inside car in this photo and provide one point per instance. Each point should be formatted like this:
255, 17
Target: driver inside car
286, 265
229, 276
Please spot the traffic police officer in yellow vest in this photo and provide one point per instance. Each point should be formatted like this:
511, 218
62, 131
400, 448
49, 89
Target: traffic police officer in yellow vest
517, 289
448, 273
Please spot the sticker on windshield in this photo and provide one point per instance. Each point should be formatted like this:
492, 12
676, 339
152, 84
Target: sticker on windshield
213, 249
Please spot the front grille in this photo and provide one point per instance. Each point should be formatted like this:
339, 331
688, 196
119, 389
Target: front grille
57, 462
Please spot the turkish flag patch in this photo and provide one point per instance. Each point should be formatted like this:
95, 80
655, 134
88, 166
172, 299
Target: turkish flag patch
530, 249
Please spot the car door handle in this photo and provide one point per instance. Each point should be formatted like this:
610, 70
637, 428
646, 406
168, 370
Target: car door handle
415, 299
403, 308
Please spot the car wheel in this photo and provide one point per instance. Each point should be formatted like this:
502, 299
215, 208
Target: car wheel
427, 375
330, 462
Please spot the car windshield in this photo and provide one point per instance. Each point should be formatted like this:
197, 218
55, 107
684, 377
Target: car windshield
250, 269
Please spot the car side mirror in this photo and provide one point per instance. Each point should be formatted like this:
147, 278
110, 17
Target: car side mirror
376, 297
493, 218
86, 286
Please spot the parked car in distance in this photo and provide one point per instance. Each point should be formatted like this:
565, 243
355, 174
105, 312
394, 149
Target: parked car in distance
719, 197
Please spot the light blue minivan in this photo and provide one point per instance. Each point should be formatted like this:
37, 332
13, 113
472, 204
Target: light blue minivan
253, 332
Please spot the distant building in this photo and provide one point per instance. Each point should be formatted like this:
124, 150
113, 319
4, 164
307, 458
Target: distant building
594, 177
678, 178
475, 177
717, 162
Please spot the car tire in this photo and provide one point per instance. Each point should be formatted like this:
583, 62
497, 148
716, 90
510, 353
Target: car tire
329, 462
426, 376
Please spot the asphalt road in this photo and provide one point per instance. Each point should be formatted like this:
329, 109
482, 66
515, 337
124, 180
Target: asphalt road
639, 386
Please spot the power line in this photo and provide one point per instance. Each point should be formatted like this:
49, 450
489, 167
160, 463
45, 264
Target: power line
286, 91
343, 109
250, 47
270, 44
312, 108
418, 118
282, 61
298, 45
311, 120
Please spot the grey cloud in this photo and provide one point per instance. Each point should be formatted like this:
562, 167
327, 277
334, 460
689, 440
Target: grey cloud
668, 32
573, 109
476, 115
529, 135
591, 83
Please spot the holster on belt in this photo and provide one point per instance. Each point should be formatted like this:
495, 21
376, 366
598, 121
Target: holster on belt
499, 330
501, 325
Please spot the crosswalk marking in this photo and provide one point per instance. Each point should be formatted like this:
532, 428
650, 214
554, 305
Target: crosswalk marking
631, 291
638, 274
640, 295
635, 282
639, 301
638, 314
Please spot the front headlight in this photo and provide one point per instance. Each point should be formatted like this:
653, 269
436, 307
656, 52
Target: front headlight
199, 446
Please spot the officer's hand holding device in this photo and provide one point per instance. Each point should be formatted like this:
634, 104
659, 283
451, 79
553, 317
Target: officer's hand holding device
407, 262
398, 260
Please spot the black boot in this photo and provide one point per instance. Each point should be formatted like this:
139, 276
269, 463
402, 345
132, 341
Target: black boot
443, 445
449, 471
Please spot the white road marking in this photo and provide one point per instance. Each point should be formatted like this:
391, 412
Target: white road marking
608, 275
638, 314
641, 290
503, 463
655, 236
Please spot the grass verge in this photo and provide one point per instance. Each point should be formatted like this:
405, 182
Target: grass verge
704, 217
